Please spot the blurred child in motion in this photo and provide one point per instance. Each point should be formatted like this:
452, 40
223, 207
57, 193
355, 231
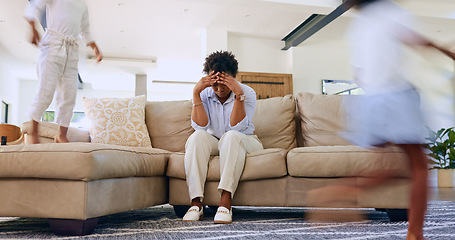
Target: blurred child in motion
389, 112
58, 58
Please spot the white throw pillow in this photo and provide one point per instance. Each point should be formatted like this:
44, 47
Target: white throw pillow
118, 121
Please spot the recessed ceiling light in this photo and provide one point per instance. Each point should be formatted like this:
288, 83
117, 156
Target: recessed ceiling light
247, 15
186, 10
2, 21
120, 4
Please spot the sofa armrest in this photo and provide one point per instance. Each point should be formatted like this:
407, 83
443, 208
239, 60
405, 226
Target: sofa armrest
47, 131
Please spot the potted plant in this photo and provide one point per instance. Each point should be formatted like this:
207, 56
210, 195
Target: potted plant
442, 155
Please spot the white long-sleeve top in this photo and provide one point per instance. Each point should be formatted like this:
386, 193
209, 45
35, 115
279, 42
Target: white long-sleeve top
69, 17
219, 114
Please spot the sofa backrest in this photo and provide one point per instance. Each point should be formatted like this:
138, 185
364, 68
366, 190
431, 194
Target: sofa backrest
169, 123
274, 122
322, 118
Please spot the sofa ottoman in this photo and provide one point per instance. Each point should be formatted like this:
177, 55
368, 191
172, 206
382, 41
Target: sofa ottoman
72, 184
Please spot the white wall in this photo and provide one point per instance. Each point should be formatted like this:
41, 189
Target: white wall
315, 60
260, 55
9, 87
309, 63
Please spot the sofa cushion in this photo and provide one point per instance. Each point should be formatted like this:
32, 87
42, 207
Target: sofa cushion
263, 164
80, 161
119, 121
49, 130
322, 118
274, 122
345, 161
169, 124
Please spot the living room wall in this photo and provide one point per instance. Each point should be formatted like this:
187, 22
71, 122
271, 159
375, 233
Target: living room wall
321, 58
260, 54
9, 86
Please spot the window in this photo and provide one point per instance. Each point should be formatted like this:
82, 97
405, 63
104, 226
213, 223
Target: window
340, 87
78, 119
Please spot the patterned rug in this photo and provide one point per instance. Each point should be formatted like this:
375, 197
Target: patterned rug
249, 223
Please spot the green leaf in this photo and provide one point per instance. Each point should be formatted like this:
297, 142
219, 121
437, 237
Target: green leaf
451, 137
433, 162
439, 133
435, 156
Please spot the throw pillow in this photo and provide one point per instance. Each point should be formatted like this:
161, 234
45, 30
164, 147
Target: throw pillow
119, 121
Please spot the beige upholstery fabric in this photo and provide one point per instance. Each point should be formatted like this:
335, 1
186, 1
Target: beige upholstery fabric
49, 198
392, 195
345, 161
267, 163
49, 130
291, 192
274, 122
264, 192
80, 161
322, 119
169, 124
119, 121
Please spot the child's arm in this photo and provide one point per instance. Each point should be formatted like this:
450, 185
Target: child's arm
415, 39
446, 51
35, 35
98, 54
32, 12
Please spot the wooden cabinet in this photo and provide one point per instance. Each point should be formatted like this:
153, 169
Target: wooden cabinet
267, 85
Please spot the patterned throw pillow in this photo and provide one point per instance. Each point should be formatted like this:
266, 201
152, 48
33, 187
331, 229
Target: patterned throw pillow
119, 121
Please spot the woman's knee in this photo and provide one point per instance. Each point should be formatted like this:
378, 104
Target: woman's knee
198, 137
231, 135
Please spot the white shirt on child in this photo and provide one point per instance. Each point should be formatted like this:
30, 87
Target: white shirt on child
69, 17
376, 36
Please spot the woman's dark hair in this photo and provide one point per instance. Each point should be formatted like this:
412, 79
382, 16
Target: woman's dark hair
221, 61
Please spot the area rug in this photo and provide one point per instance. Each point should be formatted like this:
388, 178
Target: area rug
160, 222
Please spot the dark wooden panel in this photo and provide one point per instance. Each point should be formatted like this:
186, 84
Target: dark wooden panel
267, 85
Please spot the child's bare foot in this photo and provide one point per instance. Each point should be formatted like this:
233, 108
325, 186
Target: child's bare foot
333, 196
60, 139
61, 136
33, 134
412, 236
339, 215
33, 138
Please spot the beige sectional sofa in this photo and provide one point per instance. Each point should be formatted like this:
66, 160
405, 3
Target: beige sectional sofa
73, 184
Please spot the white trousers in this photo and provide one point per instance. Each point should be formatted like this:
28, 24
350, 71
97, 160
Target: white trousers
58, 57
232, 149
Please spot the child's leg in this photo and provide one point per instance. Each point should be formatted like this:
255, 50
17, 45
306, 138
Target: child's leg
50, 67
33, 135
66, 93
61, 135
419, 191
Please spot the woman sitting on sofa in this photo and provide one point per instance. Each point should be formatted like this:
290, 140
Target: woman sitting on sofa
222, 115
